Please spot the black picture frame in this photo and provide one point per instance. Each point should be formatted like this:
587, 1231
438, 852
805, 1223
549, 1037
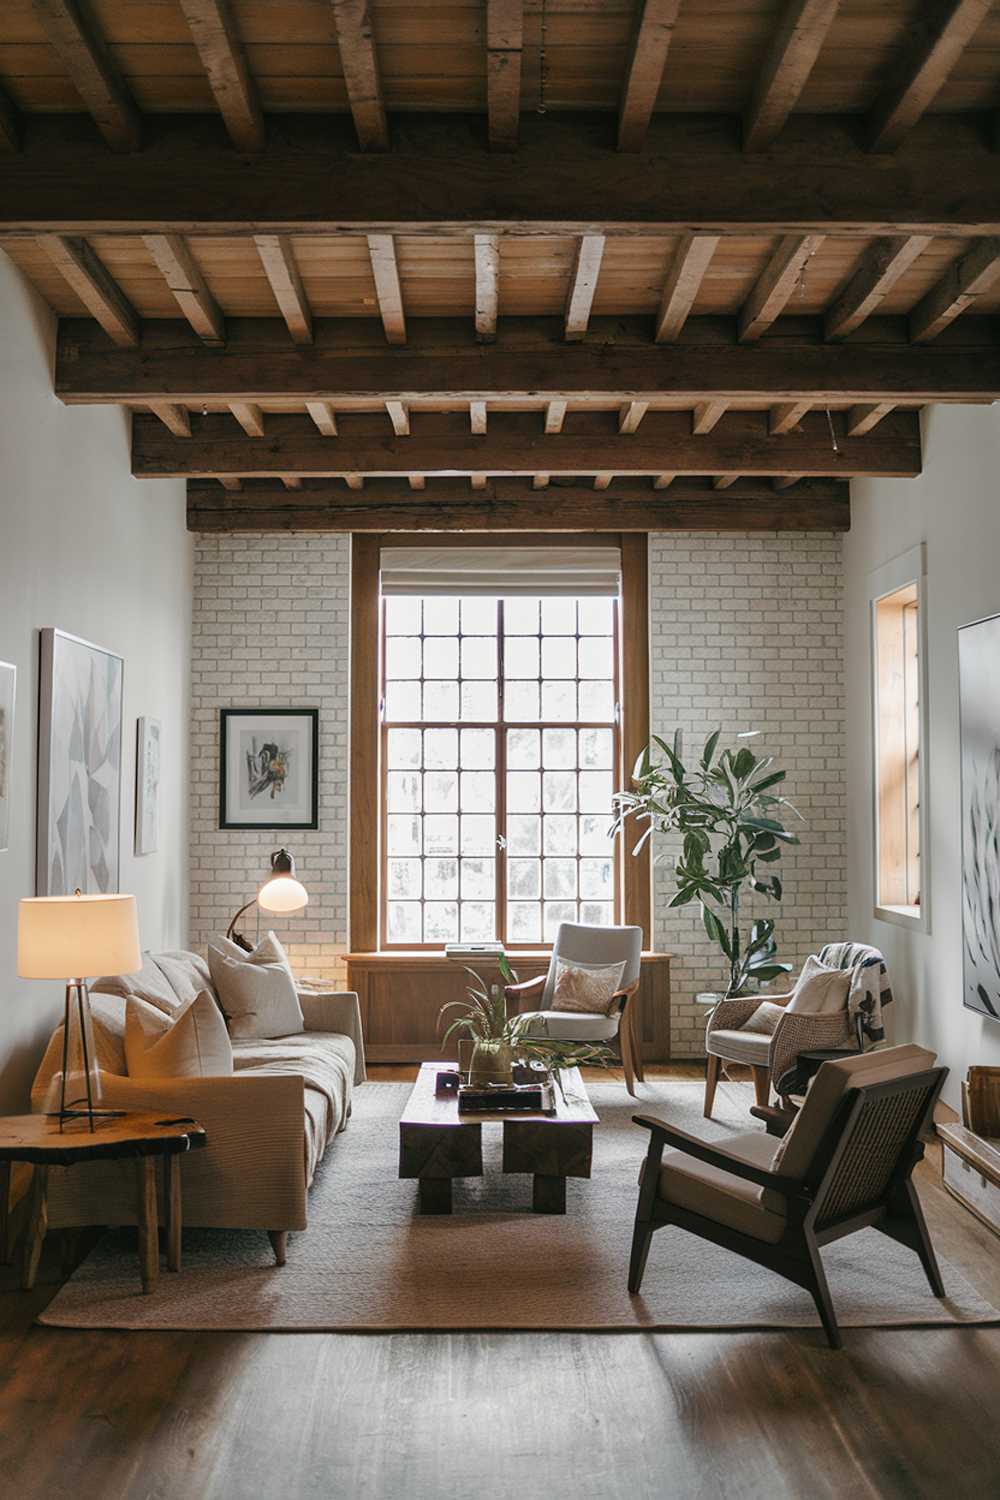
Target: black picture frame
228, 723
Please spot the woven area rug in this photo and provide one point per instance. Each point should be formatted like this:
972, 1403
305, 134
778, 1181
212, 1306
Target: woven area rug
370, 1262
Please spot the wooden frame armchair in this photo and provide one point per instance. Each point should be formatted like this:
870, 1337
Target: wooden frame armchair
590, 945
845, 1164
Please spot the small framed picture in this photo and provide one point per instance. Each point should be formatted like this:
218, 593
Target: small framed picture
8, 681
269, 768
147, 786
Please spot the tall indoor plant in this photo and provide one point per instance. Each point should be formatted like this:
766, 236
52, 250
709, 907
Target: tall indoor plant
728, 811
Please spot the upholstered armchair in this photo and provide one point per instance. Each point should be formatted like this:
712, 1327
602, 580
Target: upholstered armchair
844, 1164
589, 947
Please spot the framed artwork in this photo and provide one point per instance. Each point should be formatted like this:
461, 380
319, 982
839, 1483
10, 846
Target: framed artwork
979, 715
8, 683
269, 768
147, 786
79, 766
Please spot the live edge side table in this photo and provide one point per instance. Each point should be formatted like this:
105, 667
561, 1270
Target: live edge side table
144, 1136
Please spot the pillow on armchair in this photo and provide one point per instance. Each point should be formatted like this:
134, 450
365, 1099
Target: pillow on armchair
820, 991
586, 988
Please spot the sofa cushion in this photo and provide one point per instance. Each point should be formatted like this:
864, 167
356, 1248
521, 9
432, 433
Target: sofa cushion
718, 1195
751, 1047
149, 984
186, 973
195, 1045
256, 990
571, 1026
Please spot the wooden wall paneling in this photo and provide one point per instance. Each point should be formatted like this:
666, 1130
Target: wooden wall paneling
363, 854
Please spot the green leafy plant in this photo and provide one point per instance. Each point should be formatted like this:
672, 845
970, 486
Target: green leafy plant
728, 811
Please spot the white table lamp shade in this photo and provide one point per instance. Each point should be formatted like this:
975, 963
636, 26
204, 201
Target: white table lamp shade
77, 937
282, 893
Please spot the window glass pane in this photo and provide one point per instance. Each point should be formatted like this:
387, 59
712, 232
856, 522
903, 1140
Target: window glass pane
440, 834
560, 879
479, 656
440, 616
479, 616
441, 701
556, 912
559, 700
441, 879
440, 921
403, 748
524, 920
524, 793
524, 879
441, 749
478, 791
478, 834
594, 837
597, 702
520, 616
402, 701
403, 791
559, 791
524, 835
478, 921
558, 748
559, 835
523, 749
597, 913
596, 616
441, 656
596, 657
558, 656
404, 879
596, 879
403, 921
478, 879
520, 701
402, 656
558, 616
478, 749
596, 788
521, 656
402, 616
597, 749
403, 834
441, 792
479, 702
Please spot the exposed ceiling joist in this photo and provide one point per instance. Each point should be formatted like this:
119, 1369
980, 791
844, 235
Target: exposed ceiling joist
555, 416
957, 290
277, 256
478, 417
684, 279
323, 415
359, 59
862, 419
652, 33
487, 258
504, 43
176, 419
92, 72
884, 262
631, 415
399, 416
250, 418
382, 250
95, 287
220, 48
776, 284
441, 444
941, 31
787, 416
708, 414
794, 49
583, 284
187, 286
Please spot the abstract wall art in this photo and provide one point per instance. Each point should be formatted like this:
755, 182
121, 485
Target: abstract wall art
147, 786
8, 682
79, 766
979, 711
269, 768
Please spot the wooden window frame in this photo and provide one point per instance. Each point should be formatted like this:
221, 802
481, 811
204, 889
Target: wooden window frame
633, 897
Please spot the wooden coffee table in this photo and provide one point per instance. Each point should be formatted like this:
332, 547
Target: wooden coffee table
437, 1144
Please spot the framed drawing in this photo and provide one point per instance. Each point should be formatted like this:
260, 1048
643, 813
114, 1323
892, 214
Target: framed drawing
979, 715
8, 683
269, 768
79, 766
147, 786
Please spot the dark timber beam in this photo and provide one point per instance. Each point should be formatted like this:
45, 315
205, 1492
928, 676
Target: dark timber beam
349, 362
962, 283
881, 266
691, 175
940, 32
652, 32
504, 42
442, 444
359, 60
218, 44
518, 505
92, 72
790, 58
776, 284
10, 125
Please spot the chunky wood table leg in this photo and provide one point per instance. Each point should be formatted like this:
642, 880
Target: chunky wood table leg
5, 1246
435, 1195
173, 1213
149, 1249
548, 1194
38, 1220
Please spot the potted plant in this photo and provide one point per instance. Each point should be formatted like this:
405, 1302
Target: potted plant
729, 815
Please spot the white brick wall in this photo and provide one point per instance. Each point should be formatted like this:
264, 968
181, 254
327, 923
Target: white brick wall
746, 634
271, 628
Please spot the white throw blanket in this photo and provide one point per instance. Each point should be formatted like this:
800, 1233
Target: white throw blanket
870, 989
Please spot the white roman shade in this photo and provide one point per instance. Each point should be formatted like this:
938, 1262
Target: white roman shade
546, 571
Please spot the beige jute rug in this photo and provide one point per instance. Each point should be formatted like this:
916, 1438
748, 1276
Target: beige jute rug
370, 1262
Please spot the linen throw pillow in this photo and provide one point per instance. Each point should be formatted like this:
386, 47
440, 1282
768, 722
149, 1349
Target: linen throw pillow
588, 988
820, 991
195, 1045
765, 1018
256, 990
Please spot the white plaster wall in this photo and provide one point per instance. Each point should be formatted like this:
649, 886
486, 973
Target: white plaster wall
88, 549
954, 506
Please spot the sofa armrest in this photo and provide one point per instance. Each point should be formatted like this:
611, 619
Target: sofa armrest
340, 1011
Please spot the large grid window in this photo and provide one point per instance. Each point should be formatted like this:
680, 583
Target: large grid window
500, 756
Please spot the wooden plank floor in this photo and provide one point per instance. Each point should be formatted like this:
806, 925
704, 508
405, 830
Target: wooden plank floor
228, 1416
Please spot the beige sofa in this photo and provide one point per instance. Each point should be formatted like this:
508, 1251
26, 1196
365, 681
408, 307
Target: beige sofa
268, 1125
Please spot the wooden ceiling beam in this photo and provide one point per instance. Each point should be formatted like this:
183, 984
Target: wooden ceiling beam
441, 444
786, 417
790, 58
477, 417
10, 125
723, 481
399, 416
349, 360
631, 415
940, 32
249, 416
683, 283
359, 59
176, 419
504, 43
220, 48
96, 288
776, 284
957, 290
652, 33
277, 256
862, 419
583, 284
520, 505
233, 485
708, 414
324, 416
884, 262
663, 481
487, 258
385, 270
555, 416
92, 72
187, 286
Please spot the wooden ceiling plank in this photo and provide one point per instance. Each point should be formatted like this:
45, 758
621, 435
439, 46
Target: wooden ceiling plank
976, 273
324, 416
884, 262
684, 279
477, 417
652, 33
359, 59
94, 76
95, 287
707, 414
187, 286
862, 419
504, 44
487, 258
399, 417
787, 416
794, 48
382, 250
583, 284
10, 125
176, 419
940, 35
631, 415
441, 444
249, 416
277, 256
776, 284
220, 48
555, 416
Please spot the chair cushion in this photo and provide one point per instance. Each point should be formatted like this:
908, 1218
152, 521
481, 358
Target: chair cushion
571, 1026
586, 987
256, 990
718, 1195
765, 1018
820, 991
797, 1148
195, 1045
742, 1046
